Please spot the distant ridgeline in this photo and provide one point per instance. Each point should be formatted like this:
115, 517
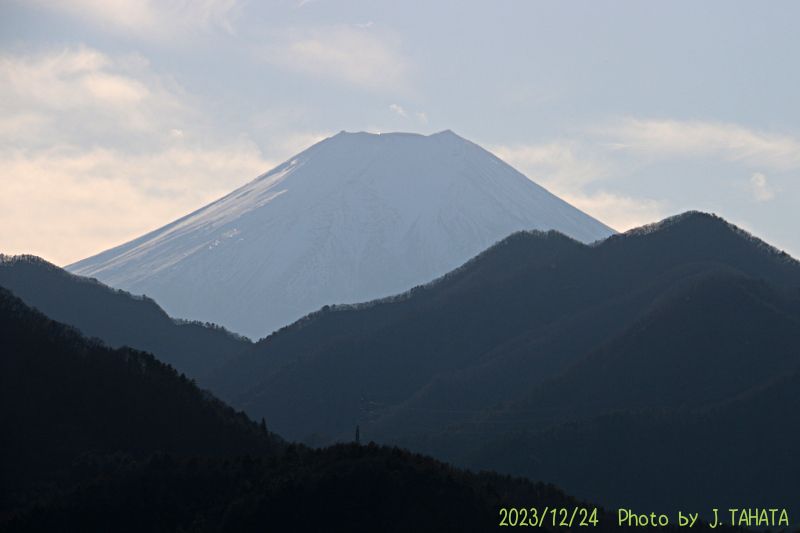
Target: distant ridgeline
69, 400
118, 317
690, 319
113, 440
656, 372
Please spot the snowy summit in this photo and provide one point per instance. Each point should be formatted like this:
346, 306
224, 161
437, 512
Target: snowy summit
355, 217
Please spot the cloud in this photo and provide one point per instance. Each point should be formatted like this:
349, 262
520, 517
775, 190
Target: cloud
565, 165
357, 57
82, 96
421, 117
619, 212
68, 204
96, 150
399, 110
759, 188
568, 168
160, 20
732, 142
600, 169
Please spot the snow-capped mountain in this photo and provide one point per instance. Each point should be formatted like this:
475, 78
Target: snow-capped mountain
355, 217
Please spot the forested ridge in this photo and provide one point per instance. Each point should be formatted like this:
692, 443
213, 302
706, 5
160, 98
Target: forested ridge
342, 488
65, 398
656, 371
118, 317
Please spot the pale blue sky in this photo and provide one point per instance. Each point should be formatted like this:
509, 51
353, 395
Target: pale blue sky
118, 117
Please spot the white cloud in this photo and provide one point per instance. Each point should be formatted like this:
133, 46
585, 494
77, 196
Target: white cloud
82, 96
353, 56
399, 110
619, 212
759, 188
666, 138
68, 204
600, 170
96, 150
565, 165
421, 117
161, 20
567, 168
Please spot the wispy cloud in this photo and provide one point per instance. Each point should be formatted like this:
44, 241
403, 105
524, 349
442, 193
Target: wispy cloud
732, 142
80, 95
569, 168
160, 20
594, 167
420, 116
759, 188
565, 164
358, 57
66, 205
96, 149
618, 211
399, 110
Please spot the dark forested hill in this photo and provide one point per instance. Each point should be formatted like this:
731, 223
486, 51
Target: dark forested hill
739, 454
66, 400
521, 312
345, 488
658, 371
117, 317
717, 340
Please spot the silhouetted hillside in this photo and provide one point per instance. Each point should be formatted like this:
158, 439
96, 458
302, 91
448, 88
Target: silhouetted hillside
117, 317
713, 342
346, 488
519, 313
739, 454
66, 399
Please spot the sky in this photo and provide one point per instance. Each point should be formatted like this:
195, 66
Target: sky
119, 117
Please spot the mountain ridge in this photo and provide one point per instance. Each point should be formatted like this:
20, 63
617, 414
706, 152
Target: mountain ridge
354, 217
118, 317
507, 328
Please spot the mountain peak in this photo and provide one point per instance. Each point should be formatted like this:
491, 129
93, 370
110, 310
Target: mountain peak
354, 217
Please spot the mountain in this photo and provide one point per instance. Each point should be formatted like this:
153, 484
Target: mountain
117, 317
348, 488
100, 439
70, 407
717, 340
355, 217
522, 312
655, 371
738, 454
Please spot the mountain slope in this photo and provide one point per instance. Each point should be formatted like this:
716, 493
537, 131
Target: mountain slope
353, 218
116, 317
715, 341
348, 488
740, 454
521, 312
65, 399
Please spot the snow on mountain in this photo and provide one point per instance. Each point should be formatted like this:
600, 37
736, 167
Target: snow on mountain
355, 217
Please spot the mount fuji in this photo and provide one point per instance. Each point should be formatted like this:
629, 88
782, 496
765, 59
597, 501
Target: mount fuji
355, 217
